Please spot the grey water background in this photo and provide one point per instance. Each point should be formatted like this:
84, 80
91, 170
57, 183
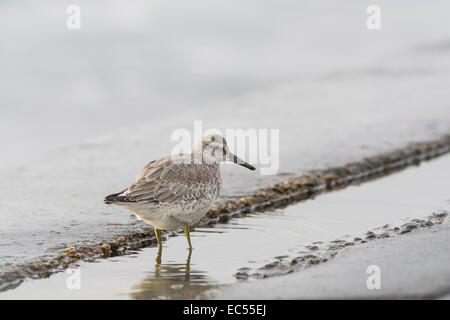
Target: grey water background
81, 111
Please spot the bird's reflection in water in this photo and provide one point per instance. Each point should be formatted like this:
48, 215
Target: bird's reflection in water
172, 281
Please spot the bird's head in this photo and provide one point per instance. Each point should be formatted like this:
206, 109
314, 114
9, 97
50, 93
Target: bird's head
214, 149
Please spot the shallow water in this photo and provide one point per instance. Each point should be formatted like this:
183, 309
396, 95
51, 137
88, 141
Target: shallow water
255, 240
82, 111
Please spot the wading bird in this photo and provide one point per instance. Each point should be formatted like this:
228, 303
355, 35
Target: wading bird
177, 191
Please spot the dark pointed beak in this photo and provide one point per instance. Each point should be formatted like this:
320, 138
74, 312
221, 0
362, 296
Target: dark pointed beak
241, 162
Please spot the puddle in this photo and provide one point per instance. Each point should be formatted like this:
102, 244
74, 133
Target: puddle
252, 242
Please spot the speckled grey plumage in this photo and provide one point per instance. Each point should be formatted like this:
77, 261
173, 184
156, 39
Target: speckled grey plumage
176, 191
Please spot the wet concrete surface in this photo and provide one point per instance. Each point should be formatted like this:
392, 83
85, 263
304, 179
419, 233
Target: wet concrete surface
412, 266
253, 242
84, 111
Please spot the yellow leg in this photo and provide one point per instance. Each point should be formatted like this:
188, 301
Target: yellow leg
187, 270
158, 257
188, 236
158, 236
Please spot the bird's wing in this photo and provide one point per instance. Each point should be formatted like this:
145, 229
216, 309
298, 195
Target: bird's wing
165, 180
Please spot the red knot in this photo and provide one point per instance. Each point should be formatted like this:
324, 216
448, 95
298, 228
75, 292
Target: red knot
177, 191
